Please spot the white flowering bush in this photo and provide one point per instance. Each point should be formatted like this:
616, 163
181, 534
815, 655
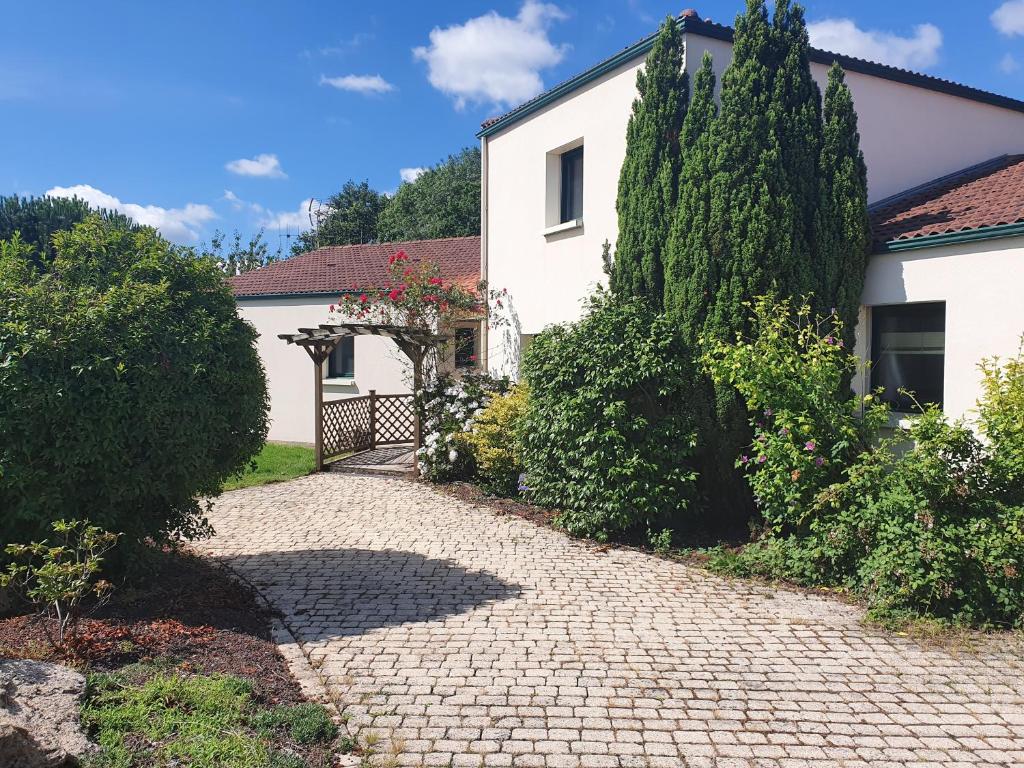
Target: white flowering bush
447, 407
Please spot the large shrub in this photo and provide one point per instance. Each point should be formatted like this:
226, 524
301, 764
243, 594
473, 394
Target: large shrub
928, 521
129, 387
607, 437
492, 441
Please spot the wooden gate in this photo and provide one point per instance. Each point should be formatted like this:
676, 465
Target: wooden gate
363, 423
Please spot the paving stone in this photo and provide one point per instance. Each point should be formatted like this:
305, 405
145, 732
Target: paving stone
466, 638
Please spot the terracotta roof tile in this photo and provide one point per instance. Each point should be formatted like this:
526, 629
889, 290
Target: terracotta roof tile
980, 196
334, 269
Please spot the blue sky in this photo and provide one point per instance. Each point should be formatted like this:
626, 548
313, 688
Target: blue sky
195, 116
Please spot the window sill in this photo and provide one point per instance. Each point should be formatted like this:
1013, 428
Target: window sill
347, 381
565, 226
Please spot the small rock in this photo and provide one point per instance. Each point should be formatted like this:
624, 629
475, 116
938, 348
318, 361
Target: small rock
39, 725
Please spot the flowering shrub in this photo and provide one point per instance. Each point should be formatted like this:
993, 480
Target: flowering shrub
607, 436
793, 373
492, 440
934, 529
447, 407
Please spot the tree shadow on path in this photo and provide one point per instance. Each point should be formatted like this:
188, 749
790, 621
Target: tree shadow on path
328, 593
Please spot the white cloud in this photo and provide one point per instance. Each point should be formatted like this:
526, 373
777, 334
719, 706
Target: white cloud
358, 83
174, 223
1008, 64
265, 166
287, 220
918, 51
411, 174
493, 58
1008, 18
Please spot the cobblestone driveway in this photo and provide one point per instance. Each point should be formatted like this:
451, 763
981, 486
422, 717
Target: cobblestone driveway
464, 638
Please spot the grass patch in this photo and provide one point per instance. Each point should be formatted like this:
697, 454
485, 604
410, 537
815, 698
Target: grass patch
275, 463
198, 721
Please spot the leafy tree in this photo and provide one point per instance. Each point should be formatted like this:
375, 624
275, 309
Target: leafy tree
842, 229
689, 270
649, 179
39, 218
131, 388
240, 258
350, 217
444, 201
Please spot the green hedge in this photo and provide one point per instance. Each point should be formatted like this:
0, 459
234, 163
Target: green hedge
130, 386
607, 437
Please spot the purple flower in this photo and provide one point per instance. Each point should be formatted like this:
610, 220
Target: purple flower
768, 411
819, 461
809, 445
522, 482
784, 431
745, 459
762, 459
830, 340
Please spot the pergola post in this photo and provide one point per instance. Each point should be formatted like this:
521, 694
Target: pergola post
318, 413
417, 385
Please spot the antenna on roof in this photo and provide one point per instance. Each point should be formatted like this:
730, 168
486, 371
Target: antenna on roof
315, 212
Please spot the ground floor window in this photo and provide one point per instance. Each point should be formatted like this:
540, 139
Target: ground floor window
342, 362
908, 347
465, 347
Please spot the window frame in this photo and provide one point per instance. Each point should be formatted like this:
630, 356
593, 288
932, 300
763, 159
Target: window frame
570, 162
898, 403
332, 362
474, 335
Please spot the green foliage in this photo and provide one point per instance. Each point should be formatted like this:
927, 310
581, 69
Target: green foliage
274, 463
131, 387
239, 257
38, 219
492, 441
689, 269
842, 230
306, 723
448, 407
607, 437
927, 522
58, 577
790, 372
649, 179
443, 201
350, 216
202, 722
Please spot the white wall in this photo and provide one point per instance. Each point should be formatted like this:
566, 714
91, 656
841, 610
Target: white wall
909, 135
981, 285
379, 364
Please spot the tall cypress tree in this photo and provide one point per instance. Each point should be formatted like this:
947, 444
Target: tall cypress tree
842, 228
796, 117
749, 186
689, 270
649, 178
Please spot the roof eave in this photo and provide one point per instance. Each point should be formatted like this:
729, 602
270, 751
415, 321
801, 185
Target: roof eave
996, 231
696, 26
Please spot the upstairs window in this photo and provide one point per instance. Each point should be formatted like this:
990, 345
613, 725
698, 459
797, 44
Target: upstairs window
342, 362
572, 185
908, 351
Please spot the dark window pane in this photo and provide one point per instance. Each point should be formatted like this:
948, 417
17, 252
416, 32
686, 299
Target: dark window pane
342, 362
572, 185
465, 347
908, 345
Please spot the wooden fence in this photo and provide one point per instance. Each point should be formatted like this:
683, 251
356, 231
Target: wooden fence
363, 423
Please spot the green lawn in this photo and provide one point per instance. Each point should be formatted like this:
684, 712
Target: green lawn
276, 462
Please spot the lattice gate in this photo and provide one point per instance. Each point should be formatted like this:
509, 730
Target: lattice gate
363, 423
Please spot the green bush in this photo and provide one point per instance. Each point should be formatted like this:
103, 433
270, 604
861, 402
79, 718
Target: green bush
607, 437
925, 522
793, 373
130, 387
493, 444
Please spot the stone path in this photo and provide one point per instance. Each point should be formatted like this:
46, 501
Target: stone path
457, 637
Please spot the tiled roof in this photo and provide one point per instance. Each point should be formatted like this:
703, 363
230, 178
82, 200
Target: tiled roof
984, 195
691, 23
334, 269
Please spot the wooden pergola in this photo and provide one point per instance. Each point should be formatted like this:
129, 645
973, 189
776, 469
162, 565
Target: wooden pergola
320, 342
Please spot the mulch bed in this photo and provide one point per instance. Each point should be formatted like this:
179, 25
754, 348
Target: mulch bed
187, 610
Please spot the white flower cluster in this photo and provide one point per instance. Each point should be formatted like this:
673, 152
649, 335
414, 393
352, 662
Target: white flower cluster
449, 407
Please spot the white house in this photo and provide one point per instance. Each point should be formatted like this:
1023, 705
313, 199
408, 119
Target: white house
298, 293
943, 290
